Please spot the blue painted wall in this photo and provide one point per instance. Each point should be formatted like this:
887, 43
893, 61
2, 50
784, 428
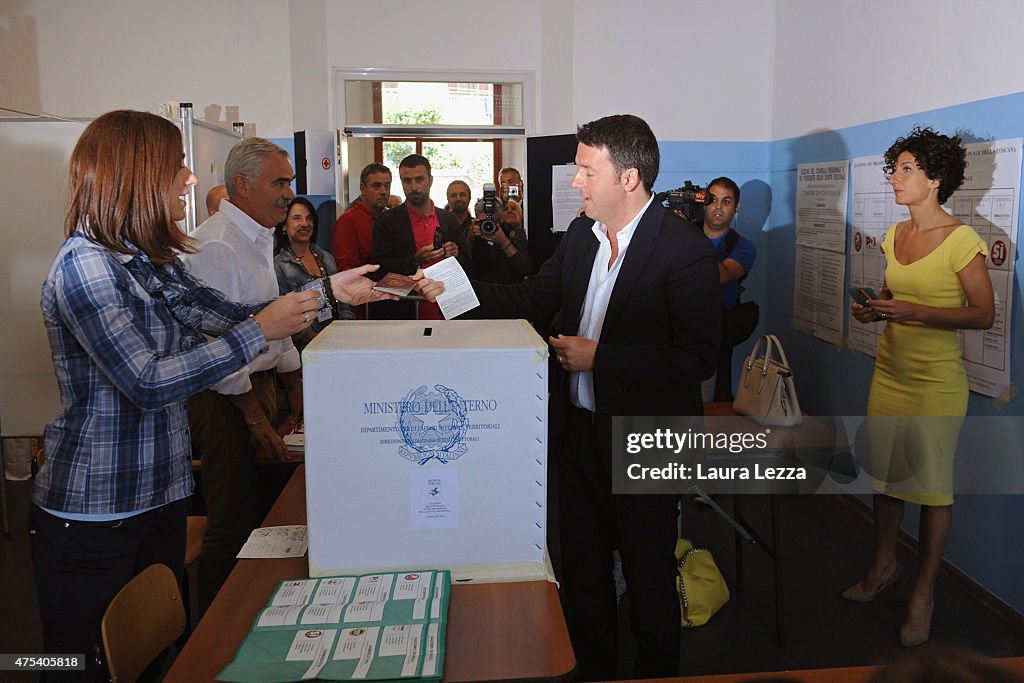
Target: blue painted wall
835, 381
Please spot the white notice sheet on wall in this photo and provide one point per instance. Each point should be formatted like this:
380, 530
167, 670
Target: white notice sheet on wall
818, 293
821, 205
818, 296
988, 201
566, 201
434, 498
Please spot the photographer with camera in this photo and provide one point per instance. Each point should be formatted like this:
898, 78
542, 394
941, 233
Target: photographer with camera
736, 256
510, 186
497, 241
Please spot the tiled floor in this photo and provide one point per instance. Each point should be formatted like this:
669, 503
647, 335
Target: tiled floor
826, 547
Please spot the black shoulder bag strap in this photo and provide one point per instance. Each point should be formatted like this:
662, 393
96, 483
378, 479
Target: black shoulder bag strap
732, 238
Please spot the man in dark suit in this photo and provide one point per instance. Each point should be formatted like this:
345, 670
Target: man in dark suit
415, 234
641, 318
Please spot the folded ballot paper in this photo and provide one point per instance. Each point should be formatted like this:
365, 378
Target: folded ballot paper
458, 295
372, 627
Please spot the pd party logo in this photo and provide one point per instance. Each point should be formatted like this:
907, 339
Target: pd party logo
433, 425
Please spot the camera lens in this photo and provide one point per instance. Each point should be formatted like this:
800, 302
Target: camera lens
488, 227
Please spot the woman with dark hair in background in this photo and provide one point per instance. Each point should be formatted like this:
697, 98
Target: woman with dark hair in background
127, 325
298, 259
936, 283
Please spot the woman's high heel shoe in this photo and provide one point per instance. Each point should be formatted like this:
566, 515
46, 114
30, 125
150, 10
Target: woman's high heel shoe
916, 632
862, 592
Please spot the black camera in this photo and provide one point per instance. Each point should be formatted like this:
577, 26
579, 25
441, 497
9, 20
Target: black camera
688, 200
489, 223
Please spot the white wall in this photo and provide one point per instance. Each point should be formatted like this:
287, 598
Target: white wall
589, 57
271, 59
84, 58
696, 70
310, 77
840, 64
742, 70
555, 81
435, 36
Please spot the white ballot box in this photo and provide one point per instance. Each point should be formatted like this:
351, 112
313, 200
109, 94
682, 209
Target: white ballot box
426, 447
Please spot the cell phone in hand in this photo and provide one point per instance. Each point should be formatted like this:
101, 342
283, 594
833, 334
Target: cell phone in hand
438, 238
857, 294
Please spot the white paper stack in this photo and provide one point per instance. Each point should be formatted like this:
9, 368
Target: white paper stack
296, 441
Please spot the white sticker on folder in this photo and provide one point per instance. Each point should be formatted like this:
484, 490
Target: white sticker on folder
366, 661
412, 652
294, 592
334, 591
322, 614
352, 642
306, 645
430, 658
412, 586
365, 611
394, 641
284, 615
374, 588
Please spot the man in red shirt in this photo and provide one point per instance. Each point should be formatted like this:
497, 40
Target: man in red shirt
353, 232
415, 234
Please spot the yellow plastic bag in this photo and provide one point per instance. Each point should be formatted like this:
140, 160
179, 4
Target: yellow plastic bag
702, 589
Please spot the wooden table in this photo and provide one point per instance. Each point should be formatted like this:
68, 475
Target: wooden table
496, 631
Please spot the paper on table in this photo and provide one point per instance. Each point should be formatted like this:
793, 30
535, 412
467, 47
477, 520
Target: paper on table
296, 441
458, 296
275, 541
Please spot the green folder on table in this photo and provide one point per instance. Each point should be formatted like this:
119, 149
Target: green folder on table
374, 627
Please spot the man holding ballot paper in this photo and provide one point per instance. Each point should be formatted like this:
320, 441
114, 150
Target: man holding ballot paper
414, 235
640, 301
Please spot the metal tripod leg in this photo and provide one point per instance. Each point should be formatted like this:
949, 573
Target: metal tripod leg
740, 529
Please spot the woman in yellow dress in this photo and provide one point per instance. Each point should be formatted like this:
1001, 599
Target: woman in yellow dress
936, 283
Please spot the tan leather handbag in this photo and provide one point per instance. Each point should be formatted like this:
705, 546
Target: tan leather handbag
766, 391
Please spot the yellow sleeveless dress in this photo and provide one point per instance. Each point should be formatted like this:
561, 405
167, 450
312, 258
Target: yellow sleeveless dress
919, 378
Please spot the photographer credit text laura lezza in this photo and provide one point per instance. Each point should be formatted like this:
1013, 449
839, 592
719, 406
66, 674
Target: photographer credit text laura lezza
667, 440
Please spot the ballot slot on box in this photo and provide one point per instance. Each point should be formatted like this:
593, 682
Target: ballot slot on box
426, 446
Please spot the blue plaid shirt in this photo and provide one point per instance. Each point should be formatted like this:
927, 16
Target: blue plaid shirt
128, 349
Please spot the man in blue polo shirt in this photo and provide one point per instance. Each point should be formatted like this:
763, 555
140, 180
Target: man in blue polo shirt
733, 266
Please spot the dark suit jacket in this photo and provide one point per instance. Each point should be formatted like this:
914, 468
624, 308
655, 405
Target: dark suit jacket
661, 332
394, 247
